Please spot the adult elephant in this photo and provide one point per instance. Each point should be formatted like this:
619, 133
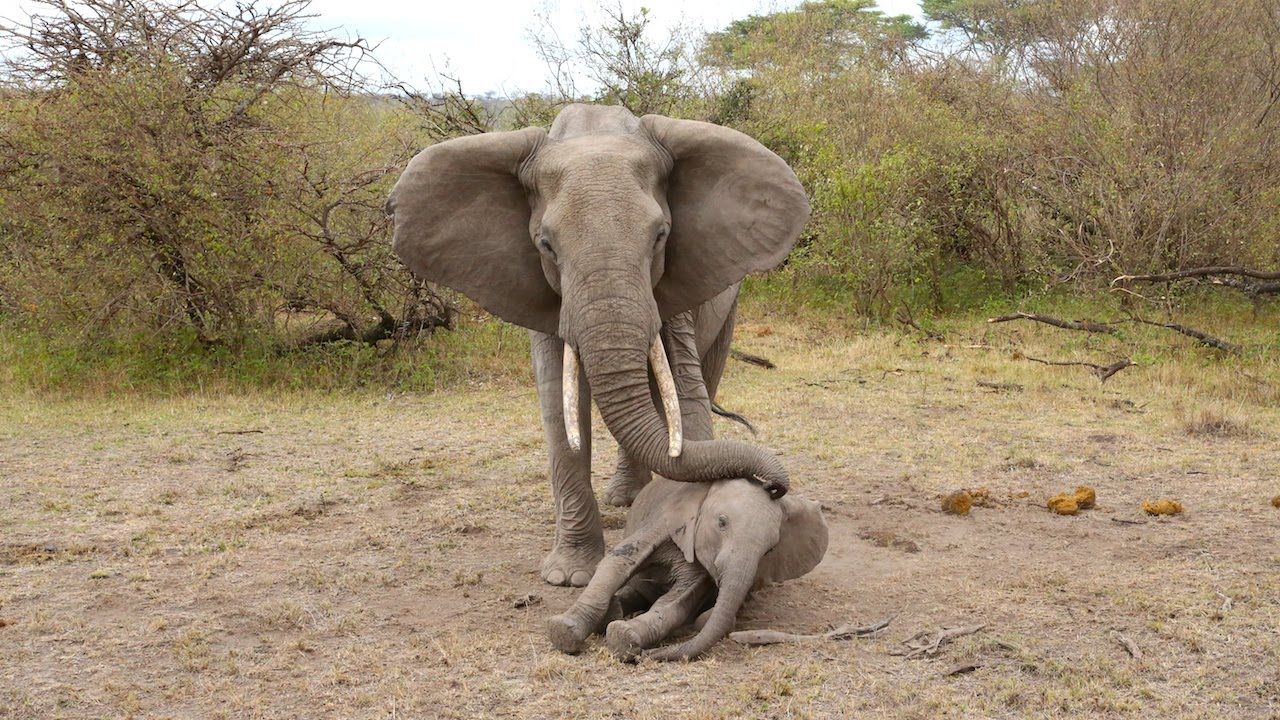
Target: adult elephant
601, 237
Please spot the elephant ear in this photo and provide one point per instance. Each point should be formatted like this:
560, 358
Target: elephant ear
801, 543
685, 536
462, 220
735, 208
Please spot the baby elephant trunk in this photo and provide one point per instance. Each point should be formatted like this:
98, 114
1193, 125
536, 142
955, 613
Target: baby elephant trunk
732, 593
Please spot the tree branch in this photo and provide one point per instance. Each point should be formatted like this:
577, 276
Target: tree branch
1085, 325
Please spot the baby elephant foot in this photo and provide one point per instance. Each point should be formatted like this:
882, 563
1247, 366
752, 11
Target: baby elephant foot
623, 641
626, 484
572, 564
615, 612
667, 653
567, 635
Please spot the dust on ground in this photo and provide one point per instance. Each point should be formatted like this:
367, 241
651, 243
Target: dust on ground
377, 555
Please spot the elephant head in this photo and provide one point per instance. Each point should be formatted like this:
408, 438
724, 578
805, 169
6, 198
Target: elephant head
744, 541
597, 232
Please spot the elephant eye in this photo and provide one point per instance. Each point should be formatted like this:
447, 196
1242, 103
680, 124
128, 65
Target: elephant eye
546, 247
662, 235
722, 522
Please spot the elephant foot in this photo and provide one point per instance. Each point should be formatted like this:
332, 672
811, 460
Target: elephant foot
566, 634
667, 653
572, 565
623, 641
615, 612
626, 484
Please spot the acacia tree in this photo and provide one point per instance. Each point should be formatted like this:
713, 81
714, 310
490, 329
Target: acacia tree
621, 60
194, 168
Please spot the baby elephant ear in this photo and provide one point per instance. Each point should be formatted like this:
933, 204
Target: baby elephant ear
801, 543
462, 220
735, 208
685, 537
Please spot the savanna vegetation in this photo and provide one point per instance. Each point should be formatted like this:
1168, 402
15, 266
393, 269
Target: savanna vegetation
195, 191
194, 255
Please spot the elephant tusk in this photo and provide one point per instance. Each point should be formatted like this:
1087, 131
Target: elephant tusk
569, 383
670, 399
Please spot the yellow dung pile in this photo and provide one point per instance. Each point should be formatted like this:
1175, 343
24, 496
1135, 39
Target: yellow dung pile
957, 503
1162, 507
1083, 498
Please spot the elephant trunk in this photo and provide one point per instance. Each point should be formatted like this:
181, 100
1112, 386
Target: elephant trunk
666, 390
615, 351
734, 587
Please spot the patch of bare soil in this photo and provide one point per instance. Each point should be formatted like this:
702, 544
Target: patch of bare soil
378, 557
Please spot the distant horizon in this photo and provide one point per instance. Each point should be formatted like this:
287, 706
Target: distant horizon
486, 44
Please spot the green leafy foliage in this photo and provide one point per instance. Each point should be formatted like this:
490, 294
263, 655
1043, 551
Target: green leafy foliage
206, 173
174, 208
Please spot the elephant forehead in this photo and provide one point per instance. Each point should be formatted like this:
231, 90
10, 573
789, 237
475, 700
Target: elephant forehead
582, 119
740, 497
568, 164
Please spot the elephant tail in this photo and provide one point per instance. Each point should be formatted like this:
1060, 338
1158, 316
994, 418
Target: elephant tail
715, 408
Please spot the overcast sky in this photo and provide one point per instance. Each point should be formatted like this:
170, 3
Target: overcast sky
485, 42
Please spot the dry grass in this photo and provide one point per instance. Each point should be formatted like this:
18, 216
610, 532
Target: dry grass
1215, 422
360, 556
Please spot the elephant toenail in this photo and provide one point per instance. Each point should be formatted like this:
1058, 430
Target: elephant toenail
555, 577
580, 578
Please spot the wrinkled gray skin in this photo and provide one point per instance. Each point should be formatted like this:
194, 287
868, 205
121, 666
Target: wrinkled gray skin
599, 234
686, 545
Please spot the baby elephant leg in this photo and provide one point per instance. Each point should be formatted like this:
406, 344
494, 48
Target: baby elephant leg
627, 638
569, 629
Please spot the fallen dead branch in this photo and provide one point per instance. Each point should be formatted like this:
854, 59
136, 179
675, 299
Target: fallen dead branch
1234, 279
1260, 288
930, 642
1129, 645
1204, 338
1200, 272
962, 668
1222, 611
773, 637
1085, 325
1000, 386
905, 317
750, 359
238, 432
1102, 372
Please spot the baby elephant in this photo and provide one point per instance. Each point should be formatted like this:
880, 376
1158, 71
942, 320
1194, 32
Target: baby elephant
687, 545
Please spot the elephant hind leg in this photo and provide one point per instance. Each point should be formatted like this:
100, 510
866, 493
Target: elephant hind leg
628, 480
628, 638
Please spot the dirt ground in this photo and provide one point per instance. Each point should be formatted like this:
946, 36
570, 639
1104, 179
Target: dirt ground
363, 556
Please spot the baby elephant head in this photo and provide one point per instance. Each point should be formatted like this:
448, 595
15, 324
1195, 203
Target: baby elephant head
744, 540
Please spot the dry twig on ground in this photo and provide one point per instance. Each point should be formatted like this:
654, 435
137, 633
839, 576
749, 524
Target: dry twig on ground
930, 642
1102, 372
905, 317
750, 359
1204, 338
1129, 645
844, 632
1234, 274
1085, 325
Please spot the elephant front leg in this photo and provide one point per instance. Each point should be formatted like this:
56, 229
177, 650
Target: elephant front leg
627, 638
579, 540
570, 629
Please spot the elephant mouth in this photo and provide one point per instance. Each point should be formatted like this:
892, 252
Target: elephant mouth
666, 390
